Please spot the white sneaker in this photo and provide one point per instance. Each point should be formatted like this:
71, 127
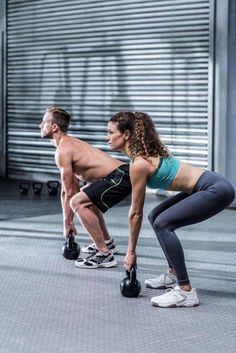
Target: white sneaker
176, 297
97, 259
109, 243
165, 280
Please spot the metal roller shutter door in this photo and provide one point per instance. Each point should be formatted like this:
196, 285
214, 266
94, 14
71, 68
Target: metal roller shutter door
95, 58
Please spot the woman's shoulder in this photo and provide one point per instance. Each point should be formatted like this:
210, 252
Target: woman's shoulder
142, 166
139, 162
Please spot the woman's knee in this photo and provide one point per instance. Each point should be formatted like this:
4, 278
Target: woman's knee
227, 192
154, 214
231, 193
161, 224
151, 217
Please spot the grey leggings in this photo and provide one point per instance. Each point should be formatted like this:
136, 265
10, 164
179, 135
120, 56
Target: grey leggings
211, 194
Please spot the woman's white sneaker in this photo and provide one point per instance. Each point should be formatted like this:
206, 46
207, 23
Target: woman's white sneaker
165, 280
175, 298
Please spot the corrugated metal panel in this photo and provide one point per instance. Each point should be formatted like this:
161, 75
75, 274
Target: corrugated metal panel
95, 58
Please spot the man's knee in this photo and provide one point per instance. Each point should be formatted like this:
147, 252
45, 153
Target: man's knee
78, 201
74, 201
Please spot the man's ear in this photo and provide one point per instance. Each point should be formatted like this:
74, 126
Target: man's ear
127, 135
54, 127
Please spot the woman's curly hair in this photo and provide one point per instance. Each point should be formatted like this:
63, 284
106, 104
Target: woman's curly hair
144, 140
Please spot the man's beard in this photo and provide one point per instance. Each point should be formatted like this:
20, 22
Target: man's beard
47, 135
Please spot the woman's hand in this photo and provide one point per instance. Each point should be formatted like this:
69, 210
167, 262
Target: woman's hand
130, 260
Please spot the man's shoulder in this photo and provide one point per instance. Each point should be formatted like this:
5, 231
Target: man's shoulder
68, 144
64, 153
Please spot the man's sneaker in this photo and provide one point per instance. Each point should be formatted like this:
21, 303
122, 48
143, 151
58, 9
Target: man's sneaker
166, 280
109, 243
176, 297
97, 259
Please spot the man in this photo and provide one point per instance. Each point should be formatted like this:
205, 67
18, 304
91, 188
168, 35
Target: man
107, 184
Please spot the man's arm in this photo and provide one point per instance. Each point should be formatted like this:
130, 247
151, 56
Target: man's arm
69, 187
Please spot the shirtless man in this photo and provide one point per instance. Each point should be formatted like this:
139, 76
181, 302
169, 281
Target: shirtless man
107, 184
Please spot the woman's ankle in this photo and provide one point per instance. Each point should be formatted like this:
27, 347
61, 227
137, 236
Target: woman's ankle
172, 271
186, 287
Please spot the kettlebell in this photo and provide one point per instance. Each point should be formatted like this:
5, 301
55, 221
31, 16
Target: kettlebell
71, 249
129, 286
37, 187
24, 188
52, 186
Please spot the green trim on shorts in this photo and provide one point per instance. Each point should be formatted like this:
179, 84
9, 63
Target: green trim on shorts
116, 184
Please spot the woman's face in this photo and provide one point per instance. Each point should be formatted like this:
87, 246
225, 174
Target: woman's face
116, 139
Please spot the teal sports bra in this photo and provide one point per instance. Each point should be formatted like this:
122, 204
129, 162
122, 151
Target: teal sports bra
165, 173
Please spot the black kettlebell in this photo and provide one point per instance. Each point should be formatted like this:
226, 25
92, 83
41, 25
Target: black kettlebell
37, 187
129, 286
24, 188
52, 186
71, 249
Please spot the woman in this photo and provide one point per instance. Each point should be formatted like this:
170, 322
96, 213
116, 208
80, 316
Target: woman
203, 194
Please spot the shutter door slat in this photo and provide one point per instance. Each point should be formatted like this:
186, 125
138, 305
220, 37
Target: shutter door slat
97, 57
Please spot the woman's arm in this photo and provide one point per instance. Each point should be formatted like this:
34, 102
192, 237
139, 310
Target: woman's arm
138, 176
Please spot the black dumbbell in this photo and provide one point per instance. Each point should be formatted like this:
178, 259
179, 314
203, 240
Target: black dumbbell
53, 186
129, 286
71, 249
24, 188
37, 187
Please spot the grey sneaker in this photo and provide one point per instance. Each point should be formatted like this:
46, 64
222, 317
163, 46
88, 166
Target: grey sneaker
109, 243
97, 259
165, 280
175, 298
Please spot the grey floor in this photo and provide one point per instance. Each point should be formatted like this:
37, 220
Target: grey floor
49, 306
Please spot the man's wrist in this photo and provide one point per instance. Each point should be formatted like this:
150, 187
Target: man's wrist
67, 223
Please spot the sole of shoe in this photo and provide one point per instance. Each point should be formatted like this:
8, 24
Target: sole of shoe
109, 264
186, 305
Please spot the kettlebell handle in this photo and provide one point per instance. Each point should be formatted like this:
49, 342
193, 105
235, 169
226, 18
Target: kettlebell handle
131, 275
71, 239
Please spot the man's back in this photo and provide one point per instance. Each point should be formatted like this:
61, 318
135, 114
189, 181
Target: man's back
88, 163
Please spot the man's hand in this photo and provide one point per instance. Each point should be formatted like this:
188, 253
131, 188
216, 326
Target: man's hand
69, 228
130, 260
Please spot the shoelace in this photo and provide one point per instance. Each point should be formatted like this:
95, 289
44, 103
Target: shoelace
91, 255
172, 291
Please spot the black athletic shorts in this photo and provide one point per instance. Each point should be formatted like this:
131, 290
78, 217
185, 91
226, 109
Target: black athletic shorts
110, 190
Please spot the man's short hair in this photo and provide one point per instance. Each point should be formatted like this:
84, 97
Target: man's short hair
60, 117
